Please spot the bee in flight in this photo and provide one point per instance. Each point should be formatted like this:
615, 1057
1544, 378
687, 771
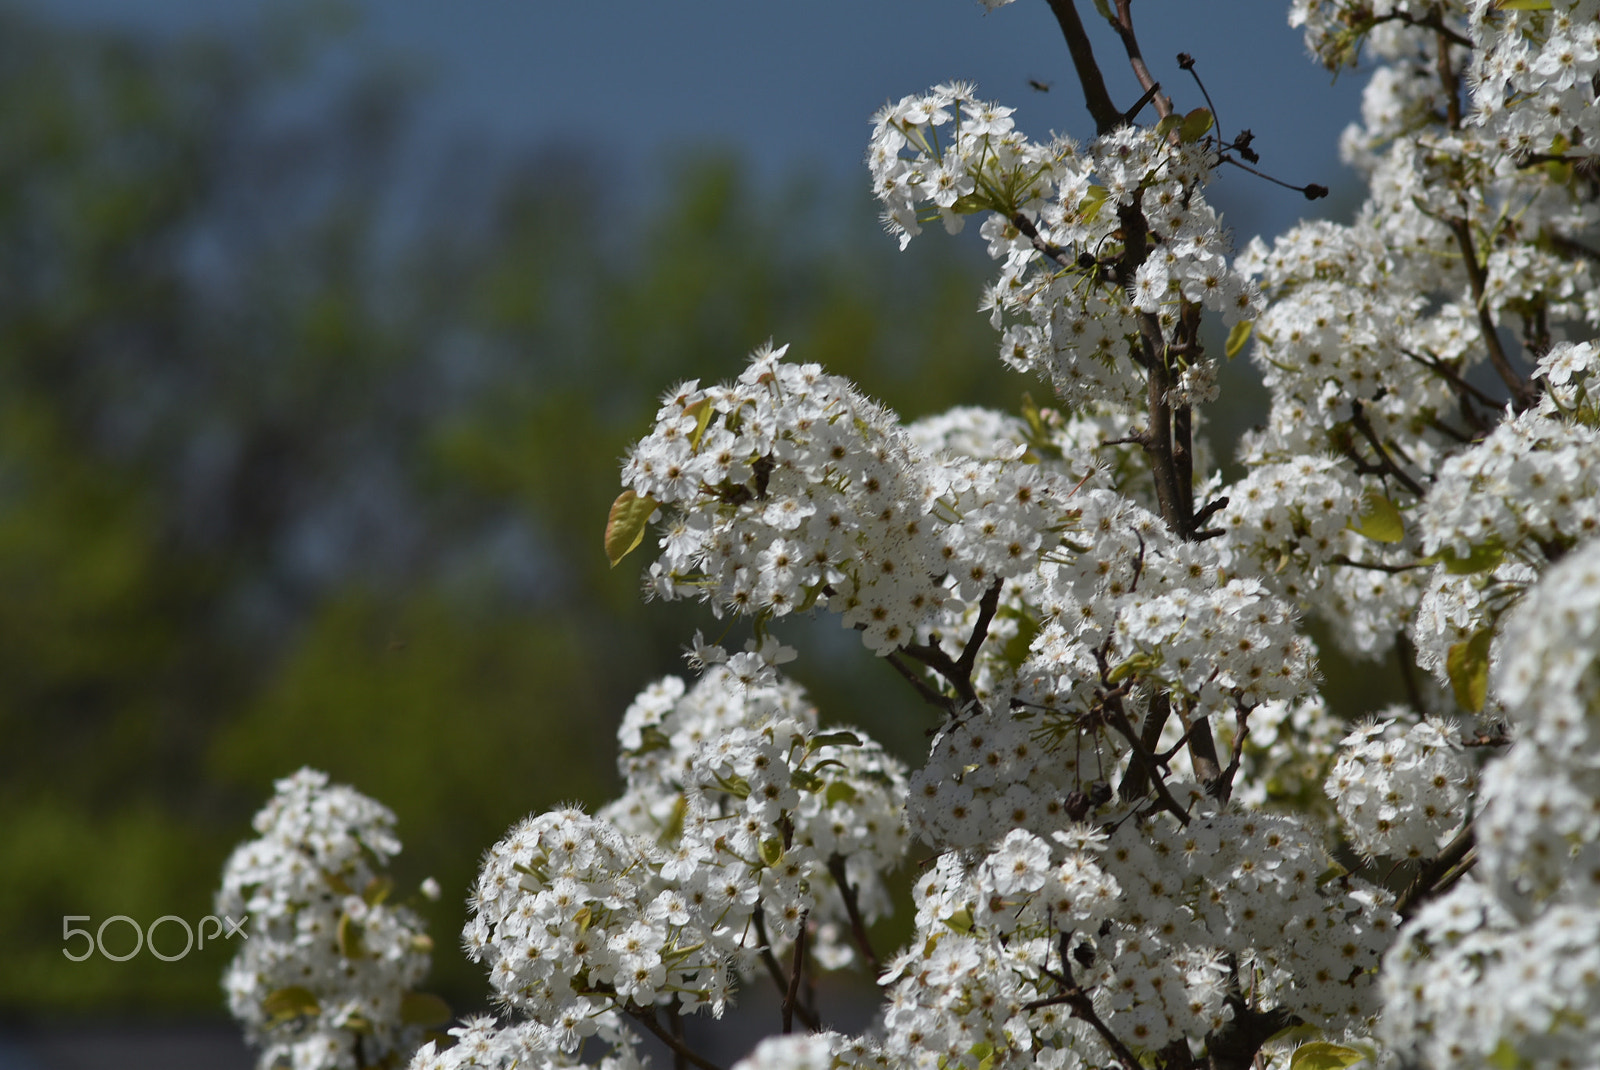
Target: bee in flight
1039, 87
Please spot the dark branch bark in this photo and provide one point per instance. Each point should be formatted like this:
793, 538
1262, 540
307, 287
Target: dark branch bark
678, 1048
1107, 116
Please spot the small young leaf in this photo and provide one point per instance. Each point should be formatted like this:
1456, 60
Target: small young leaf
1167, 125
772, 851
1380, 520
1467, 663
703, 411
1478, 559
1238, 337
291, 1002
349, 937
377, 890
960, 921
805, 780
971, 204
839, 791
1320, 1055
834, 739
630, 515
1094, 198
1195, 125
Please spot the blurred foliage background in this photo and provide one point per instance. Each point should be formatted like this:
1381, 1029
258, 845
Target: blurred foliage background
306, 444
305, 451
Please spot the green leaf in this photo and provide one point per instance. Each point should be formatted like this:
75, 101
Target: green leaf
1195, 125
960, 921
1140, 662
1094, 198
834, 739
651, 738
1522, 5
1478, 559
349, 937
1467, 663
771, 851
703, 410
630, 514
1332, 873
424, 1009
1505, 1056
806, 780
1167, 125
1104, 7
735, 785
1238, 337
840, 791
378, 889
1320, 1055
291, 1002
971, 204
1379, 520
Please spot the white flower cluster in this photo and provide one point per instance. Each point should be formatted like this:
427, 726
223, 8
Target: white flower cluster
1505, 968
1549, 53
325, 980
483, 1043
1150, 926
1400, 789
789, 489
739, 821
1052, 223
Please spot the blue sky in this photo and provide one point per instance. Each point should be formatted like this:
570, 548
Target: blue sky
791, 86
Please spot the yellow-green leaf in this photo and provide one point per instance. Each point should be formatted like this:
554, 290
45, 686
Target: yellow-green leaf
291, 1002
1167, 125
1380, 520
839, 791
378, 889
1137, 663
1195, 125
971, 203
1094, 198
805, 780
1522, 5
349, 937
1320, 1055
1238, 337
834, 739
960, 921
1478, 559
1467, 663
772, 851
630, 515
703, 410
424, 1009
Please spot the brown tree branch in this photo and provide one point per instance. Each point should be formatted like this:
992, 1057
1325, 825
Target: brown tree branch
1107, 116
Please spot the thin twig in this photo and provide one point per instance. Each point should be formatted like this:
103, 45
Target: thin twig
1432, 878
929, 695
797, 968
852, 907
1358, 419
980, 630
1522, 394
1107, 116
678, 1047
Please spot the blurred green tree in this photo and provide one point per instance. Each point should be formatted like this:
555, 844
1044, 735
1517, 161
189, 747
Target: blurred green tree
301, 464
